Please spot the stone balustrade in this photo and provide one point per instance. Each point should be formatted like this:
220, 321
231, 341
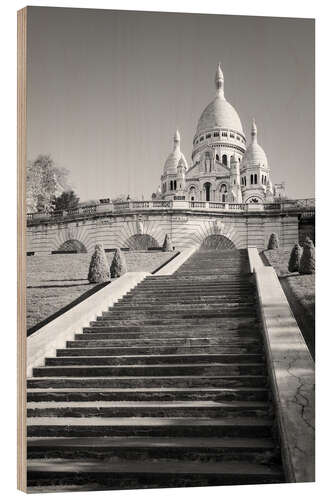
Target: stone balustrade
304, 205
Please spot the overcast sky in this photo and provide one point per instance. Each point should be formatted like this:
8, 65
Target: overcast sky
107, 89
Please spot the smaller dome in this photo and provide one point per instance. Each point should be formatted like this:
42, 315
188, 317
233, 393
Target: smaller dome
172, 161
254, 155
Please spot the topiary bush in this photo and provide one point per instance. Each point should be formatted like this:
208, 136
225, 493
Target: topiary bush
118, 264
273, 242
99, 267
167, 245
295, 258
308, 260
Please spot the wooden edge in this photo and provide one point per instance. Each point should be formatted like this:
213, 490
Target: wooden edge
21, 246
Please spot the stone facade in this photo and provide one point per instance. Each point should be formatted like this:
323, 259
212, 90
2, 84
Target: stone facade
186, 228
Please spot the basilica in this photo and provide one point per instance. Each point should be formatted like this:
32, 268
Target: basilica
224, 167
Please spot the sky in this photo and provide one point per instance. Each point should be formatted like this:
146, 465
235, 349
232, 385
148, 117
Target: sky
106, 91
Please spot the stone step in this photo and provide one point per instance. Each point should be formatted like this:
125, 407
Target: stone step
188, 296
160, 409
159, 342
196, 287
235, 312
229, 329
154, 359
45, 476
152, 307
214, 277
238, 348
151, 370
150, 394
190, 300
220, 325
185, 381
180, 321
97, 334
259, 450
239, 324
188, 293
149, 426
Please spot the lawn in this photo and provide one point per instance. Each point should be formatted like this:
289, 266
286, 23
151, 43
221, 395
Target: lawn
300, 291
54, 281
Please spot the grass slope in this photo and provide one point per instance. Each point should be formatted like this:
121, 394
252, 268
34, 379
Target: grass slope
54, 281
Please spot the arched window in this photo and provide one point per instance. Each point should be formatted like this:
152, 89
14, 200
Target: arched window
192, 194
255, 179
225, 160
251, 178
207, 188
224, 193
171, 185
217, 158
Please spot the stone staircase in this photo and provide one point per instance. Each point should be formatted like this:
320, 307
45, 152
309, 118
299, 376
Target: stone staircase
167, 389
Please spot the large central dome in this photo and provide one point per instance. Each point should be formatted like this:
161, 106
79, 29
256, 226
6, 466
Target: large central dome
219, 113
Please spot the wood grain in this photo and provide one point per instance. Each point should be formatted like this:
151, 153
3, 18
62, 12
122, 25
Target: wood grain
21, 246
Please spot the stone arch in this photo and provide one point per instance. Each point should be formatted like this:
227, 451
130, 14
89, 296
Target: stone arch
217, 242
141, 242
207, 189
72, 245
192, 193
223, 189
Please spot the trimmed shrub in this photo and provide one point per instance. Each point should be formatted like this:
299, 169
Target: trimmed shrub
99, 267
308, 259
295, 258
167, 245
307, 241
273, 242
118, 264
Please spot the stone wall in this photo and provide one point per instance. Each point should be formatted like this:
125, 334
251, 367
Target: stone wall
186, 229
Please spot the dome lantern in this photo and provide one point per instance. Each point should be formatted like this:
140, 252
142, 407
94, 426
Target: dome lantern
219, 81
176, 140
254, 131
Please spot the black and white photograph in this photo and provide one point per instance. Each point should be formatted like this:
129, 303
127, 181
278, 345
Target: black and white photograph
168, 249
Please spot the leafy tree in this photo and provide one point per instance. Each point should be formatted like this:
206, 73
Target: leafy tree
66, 201
99, 267
295, 258
119, 198
273, 242
45, 181
118, 264
167, 245
308, 259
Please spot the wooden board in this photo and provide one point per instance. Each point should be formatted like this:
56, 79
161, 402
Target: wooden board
21, 246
